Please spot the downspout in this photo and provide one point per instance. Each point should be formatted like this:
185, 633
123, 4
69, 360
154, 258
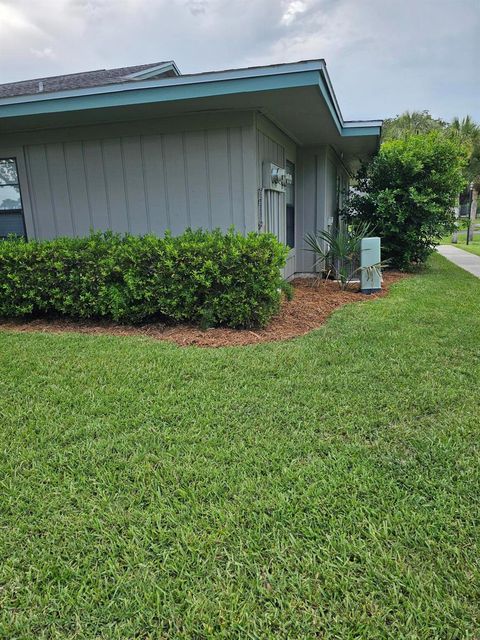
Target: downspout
261, 198
315, 217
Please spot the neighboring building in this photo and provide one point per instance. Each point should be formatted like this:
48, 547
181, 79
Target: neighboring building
144, 149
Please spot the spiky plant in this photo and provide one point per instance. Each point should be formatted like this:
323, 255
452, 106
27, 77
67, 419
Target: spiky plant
338, 251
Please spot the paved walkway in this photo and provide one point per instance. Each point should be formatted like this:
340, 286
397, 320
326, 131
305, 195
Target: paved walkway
468, 261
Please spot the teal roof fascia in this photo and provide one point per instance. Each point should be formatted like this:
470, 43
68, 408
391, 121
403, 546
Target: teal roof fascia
345, 129
153, 71
362, 130
197, 78
204, 85
78, 101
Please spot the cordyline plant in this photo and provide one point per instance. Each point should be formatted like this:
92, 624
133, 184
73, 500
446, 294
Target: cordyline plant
339, 250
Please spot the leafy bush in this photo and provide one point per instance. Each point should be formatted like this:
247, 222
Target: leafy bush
407, 193
202, 277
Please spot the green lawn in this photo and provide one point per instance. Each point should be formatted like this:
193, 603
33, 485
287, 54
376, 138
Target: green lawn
472, 247
327, 487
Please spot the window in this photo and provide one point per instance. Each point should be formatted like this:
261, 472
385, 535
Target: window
11, 209
290, 202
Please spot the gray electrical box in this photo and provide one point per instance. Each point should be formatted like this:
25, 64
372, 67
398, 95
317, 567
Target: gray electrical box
370, 278
275, 178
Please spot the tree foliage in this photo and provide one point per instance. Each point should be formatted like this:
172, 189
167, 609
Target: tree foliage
410, 123
468, 134
408, 193
465, 130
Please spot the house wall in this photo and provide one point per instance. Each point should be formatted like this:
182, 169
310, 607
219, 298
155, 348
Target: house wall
135, 177
322, 179
273, 145
202, 170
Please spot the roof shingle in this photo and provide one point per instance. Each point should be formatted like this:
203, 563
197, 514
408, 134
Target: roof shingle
82, 80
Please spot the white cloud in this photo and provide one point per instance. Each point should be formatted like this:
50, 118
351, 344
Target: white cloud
384, 56
46, 52
292, 10
197, 7
14, 22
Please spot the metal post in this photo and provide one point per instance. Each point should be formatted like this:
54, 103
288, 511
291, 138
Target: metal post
457, 215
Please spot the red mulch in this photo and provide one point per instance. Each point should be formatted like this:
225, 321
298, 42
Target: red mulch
312, 303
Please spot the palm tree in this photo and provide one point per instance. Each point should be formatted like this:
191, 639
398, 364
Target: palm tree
465, 130
468, 133
410, 123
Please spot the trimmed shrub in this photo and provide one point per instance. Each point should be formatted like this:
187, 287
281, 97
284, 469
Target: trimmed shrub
202, 277
407, 193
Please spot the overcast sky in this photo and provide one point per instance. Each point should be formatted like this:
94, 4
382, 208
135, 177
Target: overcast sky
384, 56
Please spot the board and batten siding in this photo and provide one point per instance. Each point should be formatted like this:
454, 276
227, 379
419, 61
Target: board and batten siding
142, 184
320, 174
275, 146
268, 150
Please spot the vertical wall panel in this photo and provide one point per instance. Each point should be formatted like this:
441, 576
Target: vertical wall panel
176, 186
219, 180
195, 149
96, 186
59, 190
41, 196
115, 184
311, 200
268, 150
154, 182
77, 188
237, 189
331, 194
138, 216
251, 184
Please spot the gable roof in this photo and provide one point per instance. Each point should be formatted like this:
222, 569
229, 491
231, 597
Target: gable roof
89, 79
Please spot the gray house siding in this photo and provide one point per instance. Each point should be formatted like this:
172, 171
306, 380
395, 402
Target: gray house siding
275, 146
198, 175
322, 178
139, 184
268, 150
154, 150
201, 170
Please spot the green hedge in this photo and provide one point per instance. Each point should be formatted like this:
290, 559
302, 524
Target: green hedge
202, 277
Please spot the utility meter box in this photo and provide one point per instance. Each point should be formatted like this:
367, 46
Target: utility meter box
275, 178
370, 274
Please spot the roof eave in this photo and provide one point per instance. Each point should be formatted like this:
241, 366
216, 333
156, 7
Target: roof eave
142, 91
181, 80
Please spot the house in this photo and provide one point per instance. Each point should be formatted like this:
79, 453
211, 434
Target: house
144, 149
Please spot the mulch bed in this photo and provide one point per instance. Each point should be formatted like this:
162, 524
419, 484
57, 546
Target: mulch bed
313, 302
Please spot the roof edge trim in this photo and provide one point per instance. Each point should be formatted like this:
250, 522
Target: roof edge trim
210, 77
153, 71
181, 87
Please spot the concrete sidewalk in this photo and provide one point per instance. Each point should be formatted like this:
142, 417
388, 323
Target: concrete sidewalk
463, 259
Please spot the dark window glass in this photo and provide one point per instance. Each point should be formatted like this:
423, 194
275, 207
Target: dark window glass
11, 224
11, 210
290, 226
